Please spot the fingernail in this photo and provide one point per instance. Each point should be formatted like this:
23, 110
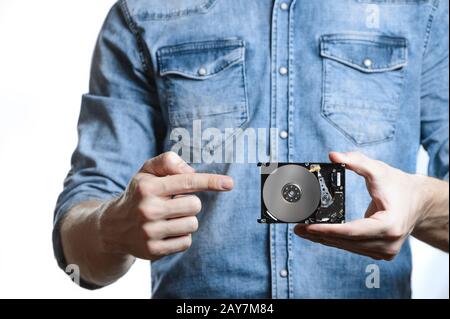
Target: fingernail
226, 183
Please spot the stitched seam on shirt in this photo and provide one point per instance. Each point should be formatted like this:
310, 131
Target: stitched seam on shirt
143, 52
273, 102
290, 264
246, 111
272, 234
291, 79
200, 9
380, 41
387, 2
291, 139
430, 24
195, 47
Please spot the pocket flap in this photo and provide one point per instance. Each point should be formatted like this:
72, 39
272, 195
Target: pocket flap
200, 60
366, 53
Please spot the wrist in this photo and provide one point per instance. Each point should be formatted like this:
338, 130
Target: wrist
432, 227
109, 243
426, 189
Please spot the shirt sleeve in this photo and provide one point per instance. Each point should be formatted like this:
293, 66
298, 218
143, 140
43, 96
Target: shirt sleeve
119, 126
434, 92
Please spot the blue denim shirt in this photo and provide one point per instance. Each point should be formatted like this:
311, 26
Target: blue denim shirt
342, 75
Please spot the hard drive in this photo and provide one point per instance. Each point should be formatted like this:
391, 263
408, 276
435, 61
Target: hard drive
308, 193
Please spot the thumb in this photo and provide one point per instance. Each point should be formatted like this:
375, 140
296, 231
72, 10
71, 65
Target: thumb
357, 162
166, 164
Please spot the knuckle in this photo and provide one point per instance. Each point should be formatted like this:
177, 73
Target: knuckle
143, 187
148, 231
394, 233
142, 210
134, 184
155, 248
152, 247
188, 182
135, 179
140, 189
213, 182
148, 163
164, 229
169, 159
149, 212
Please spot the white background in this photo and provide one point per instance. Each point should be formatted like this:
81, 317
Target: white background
45, 53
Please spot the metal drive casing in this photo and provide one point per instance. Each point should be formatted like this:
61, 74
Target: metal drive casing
307, 193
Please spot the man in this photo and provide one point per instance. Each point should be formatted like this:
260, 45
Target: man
347, 75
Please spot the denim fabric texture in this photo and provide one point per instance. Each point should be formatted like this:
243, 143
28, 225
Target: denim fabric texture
336, 75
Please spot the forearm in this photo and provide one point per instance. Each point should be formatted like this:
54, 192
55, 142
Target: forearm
433, 226
82, 245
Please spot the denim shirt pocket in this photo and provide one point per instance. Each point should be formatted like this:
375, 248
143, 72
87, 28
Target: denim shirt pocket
205, 81
363, 79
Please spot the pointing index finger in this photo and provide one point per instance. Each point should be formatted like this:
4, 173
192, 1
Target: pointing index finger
192, 183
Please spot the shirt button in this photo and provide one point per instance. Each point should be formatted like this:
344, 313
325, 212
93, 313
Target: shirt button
284, 6
202, 71
283, 70
368, 63
284, 273
284, 135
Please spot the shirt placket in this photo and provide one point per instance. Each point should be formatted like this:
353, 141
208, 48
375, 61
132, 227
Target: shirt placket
282, 120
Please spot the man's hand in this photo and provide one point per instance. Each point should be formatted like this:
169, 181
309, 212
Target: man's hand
155, 216
400, 203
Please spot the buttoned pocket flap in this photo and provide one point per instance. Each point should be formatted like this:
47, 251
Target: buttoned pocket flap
366, 53
202, 60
